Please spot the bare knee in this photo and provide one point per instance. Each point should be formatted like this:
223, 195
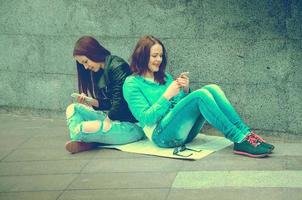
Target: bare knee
70, 110
106, 125
91, 126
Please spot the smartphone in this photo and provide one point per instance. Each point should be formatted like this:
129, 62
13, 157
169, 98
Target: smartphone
75, 96
184, 73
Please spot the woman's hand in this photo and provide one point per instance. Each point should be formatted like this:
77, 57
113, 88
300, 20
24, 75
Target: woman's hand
81, 99
184, 82
172, 90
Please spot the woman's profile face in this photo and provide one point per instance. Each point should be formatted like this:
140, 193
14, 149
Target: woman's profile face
89, 64
156, 57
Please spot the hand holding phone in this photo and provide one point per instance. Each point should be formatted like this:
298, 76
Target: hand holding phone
184, 74
183, 81
76, 96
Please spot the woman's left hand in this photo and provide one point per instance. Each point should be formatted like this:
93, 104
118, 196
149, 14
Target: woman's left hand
184, 82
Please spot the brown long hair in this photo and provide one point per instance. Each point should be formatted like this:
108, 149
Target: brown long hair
92, 49
140, 58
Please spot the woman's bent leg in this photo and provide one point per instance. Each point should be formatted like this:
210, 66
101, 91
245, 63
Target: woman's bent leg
73, 119
230, 112
88, 113
176, 125
196, 128
226, 107
92, 130
75, 115
181, 124
118, 133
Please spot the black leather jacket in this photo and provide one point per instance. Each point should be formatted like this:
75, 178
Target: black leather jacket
110, 94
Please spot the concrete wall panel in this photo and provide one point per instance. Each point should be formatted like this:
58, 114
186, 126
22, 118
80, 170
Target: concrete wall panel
252, 49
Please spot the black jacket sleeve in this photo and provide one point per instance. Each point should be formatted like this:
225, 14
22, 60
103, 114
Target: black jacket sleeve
118, 75
104, 103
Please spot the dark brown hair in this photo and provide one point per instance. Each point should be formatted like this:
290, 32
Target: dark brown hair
92, 49
140, 58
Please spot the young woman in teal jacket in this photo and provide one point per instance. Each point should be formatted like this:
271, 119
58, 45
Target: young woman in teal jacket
170, 115
106, 118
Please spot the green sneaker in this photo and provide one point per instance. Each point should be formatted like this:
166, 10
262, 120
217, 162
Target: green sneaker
264, 143
251, 147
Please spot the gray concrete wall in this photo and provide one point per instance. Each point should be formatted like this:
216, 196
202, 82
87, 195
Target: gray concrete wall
251, 48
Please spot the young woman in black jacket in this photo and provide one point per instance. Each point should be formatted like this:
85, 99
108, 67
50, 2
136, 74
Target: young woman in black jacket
105, 117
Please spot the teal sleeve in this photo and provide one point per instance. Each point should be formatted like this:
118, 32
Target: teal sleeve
139, 105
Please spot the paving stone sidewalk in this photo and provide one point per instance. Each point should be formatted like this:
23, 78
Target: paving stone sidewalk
35, 165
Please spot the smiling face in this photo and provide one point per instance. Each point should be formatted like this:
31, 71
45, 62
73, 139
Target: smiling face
89, 64
156, 57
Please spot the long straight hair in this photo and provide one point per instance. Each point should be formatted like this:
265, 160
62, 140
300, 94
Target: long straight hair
93, 50
141, 55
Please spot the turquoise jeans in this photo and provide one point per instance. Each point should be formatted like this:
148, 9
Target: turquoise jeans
183, 122
118, 133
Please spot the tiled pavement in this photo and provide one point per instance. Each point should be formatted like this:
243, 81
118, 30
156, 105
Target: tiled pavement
35, 165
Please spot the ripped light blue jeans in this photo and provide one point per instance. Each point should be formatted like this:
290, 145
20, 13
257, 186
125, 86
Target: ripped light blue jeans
183, 122
118, 133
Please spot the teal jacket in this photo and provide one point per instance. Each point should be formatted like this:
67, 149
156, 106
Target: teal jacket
146, 101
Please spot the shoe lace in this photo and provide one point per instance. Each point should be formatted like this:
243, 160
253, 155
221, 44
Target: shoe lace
252, 140
257, 137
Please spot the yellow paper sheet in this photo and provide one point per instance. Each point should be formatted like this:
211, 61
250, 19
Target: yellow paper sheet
207, 145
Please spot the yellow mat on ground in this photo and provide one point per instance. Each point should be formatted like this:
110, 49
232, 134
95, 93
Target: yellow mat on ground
200, 147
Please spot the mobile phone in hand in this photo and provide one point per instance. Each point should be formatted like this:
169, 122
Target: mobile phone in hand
75, 96
184, 73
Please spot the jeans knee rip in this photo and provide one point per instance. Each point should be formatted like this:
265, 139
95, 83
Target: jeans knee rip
91, 127
106, 126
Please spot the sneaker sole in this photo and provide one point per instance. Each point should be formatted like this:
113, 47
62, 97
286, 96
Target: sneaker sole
251, 155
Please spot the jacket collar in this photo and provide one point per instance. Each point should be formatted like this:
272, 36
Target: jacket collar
103, 82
